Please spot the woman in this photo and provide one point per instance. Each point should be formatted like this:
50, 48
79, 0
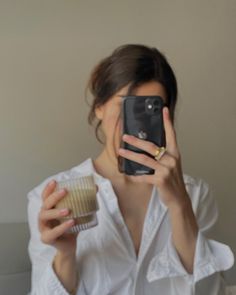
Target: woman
152, 232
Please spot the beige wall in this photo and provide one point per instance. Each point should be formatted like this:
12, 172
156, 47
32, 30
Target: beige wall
47, 50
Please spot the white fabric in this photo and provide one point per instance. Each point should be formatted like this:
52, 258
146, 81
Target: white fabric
106, 257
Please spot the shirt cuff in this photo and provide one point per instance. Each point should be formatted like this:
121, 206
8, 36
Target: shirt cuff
210, 257
52, 283
56, 287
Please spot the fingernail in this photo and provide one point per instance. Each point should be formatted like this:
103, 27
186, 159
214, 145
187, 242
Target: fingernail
121, 150
52, 182
70, 222
127, 136
64, 211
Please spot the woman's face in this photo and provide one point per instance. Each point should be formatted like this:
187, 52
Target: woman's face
109, 113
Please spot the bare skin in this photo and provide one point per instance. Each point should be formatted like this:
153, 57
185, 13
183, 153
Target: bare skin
133, 202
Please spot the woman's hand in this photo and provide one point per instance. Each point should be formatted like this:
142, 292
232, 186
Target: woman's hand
52, 232
168, 178
168, 175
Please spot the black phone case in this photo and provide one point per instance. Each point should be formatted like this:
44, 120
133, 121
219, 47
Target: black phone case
142, 121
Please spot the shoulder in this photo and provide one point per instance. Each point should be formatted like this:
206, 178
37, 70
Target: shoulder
195, 184
79, 170
203, 202
198, 190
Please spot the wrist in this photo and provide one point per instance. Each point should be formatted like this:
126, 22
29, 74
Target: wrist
66, 255
183, 215
64, 259
65, 267
180, 206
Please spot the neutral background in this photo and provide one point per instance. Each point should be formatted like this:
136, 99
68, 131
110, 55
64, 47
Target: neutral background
47, 51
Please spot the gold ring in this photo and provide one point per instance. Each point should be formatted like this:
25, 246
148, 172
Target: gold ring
159, 153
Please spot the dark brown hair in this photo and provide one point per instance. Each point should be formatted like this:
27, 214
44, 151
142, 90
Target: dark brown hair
132, 65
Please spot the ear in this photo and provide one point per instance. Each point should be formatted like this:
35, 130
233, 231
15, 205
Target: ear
99, 112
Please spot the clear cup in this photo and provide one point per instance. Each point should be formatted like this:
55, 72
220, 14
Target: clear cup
81, 201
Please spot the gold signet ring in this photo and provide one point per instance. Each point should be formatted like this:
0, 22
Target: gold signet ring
159, 153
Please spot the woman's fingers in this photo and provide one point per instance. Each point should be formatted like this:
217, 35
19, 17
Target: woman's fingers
49, 236
48, 190
142, 144
52, 199
171, 139
49, 225
46, 215
140, 158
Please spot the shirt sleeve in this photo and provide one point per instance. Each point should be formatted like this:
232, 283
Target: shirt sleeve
44, 281
211, 257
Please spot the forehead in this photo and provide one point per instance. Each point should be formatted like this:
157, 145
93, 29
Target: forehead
146, 89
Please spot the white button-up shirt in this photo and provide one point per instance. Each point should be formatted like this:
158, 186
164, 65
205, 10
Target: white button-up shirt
106, 259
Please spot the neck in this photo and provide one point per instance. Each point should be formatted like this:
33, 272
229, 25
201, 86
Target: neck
107, 166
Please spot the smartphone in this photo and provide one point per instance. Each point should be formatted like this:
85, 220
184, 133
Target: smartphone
141, 117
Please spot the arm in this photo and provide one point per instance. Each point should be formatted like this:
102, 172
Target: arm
66, 270
210, 258
184, 232
49, 275
188, 255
